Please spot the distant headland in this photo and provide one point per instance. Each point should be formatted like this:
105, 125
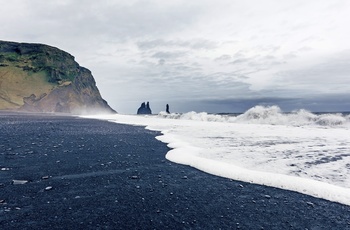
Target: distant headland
41, 78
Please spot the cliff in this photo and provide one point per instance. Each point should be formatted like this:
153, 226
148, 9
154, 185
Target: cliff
41, 78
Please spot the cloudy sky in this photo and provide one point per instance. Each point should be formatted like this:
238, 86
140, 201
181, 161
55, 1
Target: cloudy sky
201, 55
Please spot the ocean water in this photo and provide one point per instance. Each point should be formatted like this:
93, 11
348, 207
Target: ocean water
299, 151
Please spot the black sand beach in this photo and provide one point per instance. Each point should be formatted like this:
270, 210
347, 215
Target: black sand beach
90, 174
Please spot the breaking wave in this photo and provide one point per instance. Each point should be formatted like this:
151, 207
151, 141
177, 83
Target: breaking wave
272, 115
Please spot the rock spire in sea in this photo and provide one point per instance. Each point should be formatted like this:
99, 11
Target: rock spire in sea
144, 109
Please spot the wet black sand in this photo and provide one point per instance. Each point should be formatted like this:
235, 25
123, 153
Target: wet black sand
90, 174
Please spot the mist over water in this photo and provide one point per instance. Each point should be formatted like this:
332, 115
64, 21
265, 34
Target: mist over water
299, 151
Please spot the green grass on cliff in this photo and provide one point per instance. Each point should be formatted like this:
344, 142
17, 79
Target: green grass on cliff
16, 84
56, 67
36, 73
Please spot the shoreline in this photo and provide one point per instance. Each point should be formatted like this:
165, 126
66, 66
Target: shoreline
102, 175
183, 152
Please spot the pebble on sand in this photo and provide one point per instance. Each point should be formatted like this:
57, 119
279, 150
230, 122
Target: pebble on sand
19, 181
48, 188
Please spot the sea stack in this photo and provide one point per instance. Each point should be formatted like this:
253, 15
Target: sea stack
144, 109
41, 78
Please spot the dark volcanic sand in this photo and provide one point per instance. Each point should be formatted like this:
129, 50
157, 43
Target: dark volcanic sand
110, 176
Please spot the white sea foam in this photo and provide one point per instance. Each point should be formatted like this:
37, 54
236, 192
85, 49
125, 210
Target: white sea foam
267, 115
299, 151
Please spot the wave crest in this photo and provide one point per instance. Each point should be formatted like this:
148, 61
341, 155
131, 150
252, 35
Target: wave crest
272, 115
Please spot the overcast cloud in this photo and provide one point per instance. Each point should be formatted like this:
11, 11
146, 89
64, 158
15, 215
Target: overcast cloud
203, 55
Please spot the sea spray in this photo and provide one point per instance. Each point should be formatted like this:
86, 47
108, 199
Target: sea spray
271, 115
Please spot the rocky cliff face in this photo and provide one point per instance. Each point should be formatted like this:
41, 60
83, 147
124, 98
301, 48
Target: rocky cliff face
41, 78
